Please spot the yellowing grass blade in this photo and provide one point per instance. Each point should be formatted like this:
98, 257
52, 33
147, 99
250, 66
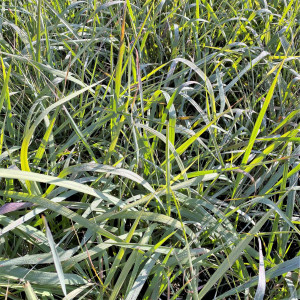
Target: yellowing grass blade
256, 128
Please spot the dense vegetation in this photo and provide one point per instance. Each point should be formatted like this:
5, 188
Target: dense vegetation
149, 149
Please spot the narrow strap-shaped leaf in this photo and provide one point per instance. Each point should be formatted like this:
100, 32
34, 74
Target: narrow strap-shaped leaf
55, 256
257, 126
261, 288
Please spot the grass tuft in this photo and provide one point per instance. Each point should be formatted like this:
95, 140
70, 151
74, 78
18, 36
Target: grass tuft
149, 149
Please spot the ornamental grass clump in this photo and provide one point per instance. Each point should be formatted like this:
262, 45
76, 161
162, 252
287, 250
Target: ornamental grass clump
149, 149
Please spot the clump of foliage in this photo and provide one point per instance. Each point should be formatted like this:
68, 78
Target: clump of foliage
149, 149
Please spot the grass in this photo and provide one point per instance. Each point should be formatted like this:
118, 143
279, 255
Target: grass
149, 149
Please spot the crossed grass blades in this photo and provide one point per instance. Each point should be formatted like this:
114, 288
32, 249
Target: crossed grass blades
149, 149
